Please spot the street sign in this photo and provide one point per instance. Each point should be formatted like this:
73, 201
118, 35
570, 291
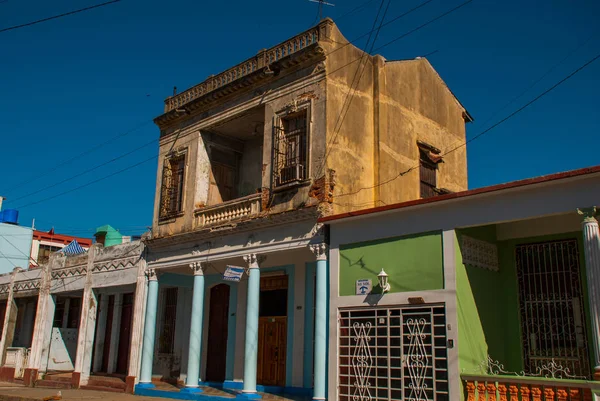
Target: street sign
363, 286
233, 273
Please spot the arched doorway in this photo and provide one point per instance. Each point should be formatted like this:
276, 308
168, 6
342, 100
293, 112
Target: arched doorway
217, 333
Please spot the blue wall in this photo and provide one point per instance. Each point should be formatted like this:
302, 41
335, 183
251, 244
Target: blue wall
15, 247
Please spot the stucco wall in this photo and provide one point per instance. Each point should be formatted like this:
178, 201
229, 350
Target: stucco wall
413, 263
15, 247
372, 130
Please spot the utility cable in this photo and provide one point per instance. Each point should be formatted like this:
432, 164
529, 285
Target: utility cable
520, 109
58, 16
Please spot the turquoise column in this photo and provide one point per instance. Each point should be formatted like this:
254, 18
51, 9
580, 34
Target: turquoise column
320, 358
251, 349
193, 369
149, 329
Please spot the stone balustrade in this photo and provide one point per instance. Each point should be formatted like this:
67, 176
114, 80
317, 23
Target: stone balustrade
261, 60
229, 211
523, 388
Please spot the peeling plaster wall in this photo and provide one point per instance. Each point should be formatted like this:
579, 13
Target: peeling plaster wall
366, 141
395, 103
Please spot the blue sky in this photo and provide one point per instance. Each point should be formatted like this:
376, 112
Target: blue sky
70, 84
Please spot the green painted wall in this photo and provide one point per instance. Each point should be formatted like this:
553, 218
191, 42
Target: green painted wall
413, 263
488, 303
111, 236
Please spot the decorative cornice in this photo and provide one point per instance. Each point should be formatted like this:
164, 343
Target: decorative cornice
28, 285
115, 264
69, 272
320, 250
151, 274
197, 268
4, 288
589, 214
251, 225
254, 260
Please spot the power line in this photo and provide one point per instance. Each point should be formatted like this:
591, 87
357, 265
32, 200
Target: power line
20, 251
351, 90
328, 73
58, 16
79, 155
150, 121
86, 171
544, 93
6, 257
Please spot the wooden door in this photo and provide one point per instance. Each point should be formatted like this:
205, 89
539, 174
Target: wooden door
217, 333
222, 183
272, 336
125, 333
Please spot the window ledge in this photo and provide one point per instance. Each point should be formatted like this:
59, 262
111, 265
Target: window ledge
169, 219
292, 184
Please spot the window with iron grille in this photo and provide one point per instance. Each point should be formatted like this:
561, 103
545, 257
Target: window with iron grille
290, 148
171, 201
397, 353
166, 342
428, 160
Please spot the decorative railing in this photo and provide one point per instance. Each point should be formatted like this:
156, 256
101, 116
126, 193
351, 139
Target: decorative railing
228, 211
262, 59
519, 388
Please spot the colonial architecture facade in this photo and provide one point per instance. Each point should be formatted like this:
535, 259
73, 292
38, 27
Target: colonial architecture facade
75, 319
484, 294
249, 160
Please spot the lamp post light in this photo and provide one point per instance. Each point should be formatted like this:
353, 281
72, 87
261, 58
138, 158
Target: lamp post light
383, 281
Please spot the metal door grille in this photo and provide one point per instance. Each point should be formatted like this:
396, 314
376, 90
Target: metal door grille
393, 354
551, 303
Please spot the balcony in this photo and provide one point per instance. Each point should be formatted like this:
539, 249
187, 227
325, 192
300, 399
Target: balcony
228, 212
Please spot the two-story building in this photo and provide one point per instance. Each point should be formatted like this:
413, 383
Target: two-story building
249, 160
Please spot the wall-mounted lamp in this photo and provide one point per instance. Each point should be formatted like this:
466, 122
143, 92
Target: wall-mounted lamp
383, 281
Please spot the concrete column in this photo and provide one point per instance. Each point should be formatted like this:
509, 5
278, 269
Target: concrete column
87, 326
591, 245
320, 357
251, 347
10, 317
114, 333
193, 362
137, 330
149, 330
100, 337
44, 317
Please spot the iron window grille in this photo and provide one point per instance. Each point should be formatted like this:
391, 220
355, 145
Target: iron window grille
290, 148
551, 302
397, 353
171, 200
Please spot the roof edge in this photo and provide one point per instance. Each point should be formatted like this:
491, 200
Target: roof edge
463, 194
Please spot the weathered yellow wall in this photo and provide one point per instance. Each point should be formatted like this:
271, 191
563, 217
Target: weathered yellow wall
395, 104
366, 117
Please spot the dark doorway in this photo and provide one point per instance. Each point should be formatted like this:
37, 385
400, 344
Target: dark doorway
272, 330
107, 333
125, 333
217, 333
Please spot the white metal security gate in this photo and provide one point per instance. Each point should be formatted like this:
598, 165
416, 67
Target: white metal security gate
551, 301
393, 354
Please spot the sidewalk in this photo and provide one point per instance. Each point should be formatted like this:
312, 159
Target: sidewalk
17, 392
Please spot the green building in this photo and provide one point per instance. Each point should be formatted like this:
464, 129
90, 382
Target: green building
484, 294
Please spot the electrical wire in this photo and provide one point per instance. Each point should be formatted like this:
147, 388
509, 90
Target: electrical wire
58, 16
20, 251
6, 257
520, 109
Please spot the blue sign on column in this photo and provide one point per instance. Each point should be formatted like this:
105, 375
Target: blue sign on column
233, 273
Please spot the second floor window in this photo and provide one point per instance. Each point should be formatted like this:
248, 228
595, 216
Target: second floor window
171, 203
290, 148
428, 167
